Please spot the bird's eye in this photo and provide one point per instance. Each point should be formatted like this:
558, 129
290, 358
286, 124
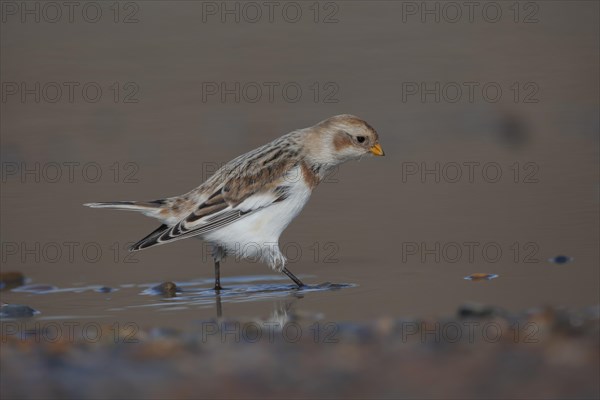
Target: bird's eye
360, 139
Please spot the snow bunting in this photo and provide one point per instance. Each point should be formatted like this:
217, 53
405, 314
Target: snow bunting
244, 207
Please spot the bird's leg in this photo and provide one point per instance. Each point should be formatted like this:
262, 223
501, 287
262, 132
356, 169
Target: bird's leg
218, 254
293, 277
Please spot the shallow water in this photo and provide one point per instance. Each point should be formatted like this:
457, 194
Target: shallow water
395, 239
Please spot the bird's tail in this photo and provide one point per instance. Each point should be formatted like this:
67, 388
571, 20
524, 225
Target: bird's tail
128, 205
149, 208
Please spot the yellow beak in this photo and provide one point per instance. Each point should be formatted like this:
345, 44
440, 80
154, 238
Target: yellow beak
377, 150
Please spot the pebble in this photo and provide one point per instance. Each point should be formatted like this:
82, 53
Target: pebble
561, 259
105, 289
168, 289
481, 277
476, 310
16, 311
11, 279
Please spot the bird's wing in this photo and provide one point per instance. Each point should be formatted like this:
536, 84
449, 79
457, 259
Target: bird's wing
242, 193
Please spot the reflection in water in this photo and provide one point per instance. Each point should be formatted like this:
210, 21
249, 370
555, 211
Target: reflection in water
175, 297
282, 309
48, 289
218, 304
237, 290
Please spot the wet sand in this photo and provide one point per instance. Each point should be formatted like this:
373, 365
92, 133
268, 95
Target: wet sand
386, 239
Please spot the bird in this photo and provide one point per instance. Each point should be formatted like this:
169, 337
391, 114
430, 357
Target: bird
243, 208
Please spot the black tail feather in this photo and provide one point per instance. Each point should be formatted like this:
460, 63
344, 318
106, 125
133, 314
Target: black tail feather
149, 240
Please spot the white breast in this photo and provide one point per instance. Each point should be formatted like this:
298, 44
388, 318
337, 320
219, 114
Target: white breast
257, 235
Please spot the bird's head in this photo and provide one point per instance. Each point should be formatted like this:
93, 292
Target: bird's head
342, 138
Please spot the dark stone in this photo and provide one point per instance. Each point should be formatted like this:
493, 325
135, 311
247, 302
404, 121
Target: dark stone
17, 311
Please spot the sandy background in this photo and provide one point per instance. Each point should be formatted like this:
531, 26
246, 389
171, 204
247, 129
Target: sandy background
365, 215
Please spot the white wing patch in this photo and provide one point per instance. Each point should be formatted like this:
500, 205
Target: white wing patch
220, 215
